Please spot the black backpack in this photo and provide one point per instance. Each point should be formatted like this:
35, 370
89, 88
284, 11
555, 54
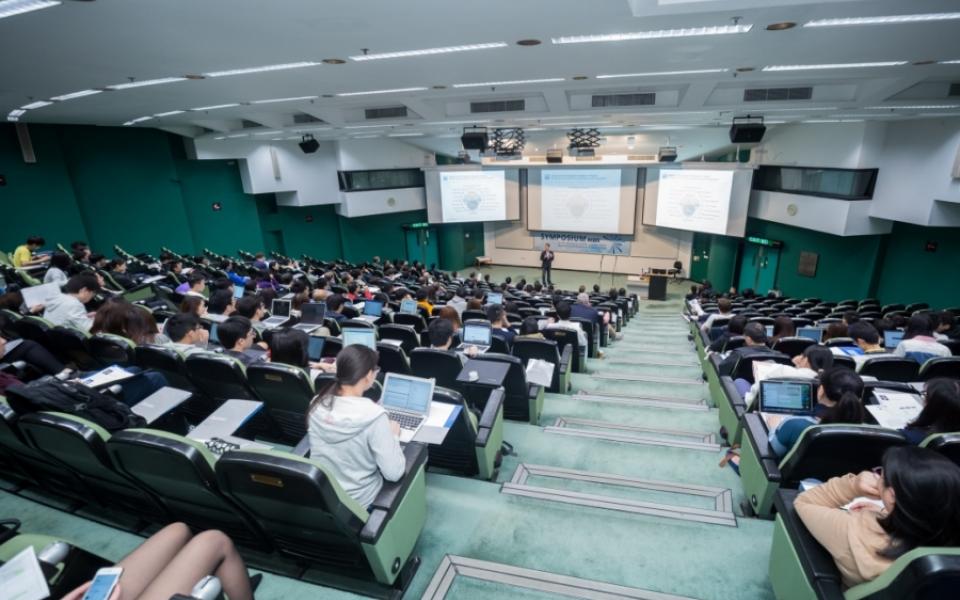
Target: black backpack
51, 394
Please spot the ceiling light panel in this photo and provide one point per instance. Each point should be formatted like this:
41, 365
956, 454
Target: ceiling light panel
654, 35
428, 51
145, 83
74, 95
663, 73
886, 20
169, 113
293, 99
393, 91
861, 65
949, 62
914, 107
263, 69
515, 82
9, 8
410, 134
215, 107
35, 105
137, 120
14, 115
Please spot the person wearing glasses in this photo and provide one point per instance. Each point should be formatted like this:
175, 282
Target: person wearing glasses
351, 435
867, 521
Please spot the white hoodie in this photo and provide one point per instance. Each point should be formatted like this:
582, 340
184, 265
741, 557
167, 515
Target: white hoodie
354, 442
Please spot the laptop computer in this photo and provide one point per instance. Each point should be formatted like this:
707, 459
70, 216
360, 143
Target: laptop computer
408, 307
476, 334
781, 399
311, 316
494, 298
315, 348
238, 291
372, 311
407, 401
891, 339
213, 337
813, 333
360, 335
279, 314
769, 329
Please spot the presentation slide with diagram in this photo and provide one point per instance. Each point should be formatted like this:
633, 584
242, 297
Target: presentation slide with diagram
580, 200
473, 196
694, 200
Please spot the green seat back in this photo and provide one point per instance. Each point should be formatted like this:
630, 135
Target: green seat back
458, 450
286, 392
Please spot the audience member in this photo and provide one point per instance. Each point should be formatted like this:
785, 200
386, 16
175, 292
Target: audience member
782, 327
813, 361
501, 326
194, 286
23, 256
118, 271
196, 305
237, 336
31, 353
918, 343
187, 335
252, 308
866, 337
459, 301
451, 314
441, 335
335, 308
755, 343
726, 310
941, 410
57, 273
564, 322
734, 329
67, 309
117, 317
947, 326
221, 302
530, 328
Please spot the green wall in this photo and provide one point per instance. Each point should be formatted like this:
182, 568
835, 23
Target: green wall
911, 274
460, 245
363, 238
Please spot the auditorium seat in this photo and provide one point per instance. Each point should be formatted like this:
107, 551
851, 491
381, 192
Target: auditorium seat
734, 342
840, 342
108, 349
890, 368
565, 338
730, 408
286, 392
310, 519
392, 359
947, 444
332, 325
472, 446
406, 334
744, 367
440, 365
944, 366
33, 328
473, 314
792, 346
844, 361
70, 346
416, 321
218, 376
822, 452
593, 335
166, 361
800, 567
546, 350
524, 401
357, 324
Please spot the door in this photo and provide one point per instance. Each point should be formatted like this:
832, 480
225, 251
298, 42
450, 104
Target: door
422, 245
758, 268
699, 257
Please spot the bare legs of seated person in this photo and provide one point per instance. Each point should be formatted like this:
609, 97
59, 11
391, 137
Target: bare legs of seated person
172, 561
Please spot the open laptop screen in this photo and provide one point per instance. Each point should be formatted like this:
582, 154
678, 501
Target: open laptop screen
408, 307
813, 333
786, 396
238, 291
360, 335
213, 333
411, 394
476, 334
891, 339
494, 298
313, 312
372, 308
315, 347
280, 308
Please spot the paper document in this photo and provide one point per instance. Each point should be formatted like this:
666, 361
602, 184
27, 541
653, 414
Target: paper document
160, 403
39, 294
153, 279
396, 343
895, 409
110, 375
231, 415
540, 372
22, 578
863, 500
763, 369
442, 415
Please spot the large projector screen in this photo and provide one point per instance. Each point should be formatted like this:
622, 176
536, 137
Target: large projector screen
582, 200
704, 200
467, 196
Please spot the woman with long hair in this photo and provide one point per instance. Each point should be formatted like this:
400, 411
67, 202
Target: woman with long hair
351, 435
941, 410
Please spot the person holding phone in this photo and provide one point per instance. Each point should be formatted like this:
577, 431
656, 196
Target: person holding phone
171, 562
546, 263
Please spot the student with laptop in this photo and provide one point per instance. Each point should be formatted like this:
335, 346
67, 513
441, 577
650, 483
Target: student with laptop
279, 314
372, 311
408, 306
755, 343
311, 319
501, 326
918, 342
866, 337
807, 365
237, 337
292, 347
838, 401
941, 410
68, 309
335, 308
252, 308
352, 436
440, 332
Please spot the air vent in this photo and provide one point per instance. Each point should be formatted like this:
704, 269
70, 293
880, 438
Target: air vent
391, 112
777, 94
646, 99
588, 158
537, 159
498, 106
302, 118
954, 89
642, 157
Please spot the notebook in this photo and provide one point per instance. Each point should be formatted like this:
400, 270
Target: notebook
813, 333
476, 334
360, 335
407, 401
891, 339
781, 399
408, 307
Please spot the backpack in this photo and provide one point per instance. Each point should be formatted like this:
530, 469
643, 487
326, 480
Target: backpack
51, 394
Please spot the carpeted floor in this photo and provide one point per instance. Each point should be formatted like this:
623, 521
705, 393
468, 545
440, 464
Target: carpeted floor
639, 423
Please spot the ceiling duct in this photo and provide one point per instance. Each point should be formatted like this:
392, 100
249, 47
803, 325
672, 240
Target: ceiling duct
489, 106
614, 100
777, 94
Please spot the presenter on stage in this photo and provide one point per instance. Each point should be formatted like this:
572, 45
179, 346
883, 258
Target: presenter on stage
546, 262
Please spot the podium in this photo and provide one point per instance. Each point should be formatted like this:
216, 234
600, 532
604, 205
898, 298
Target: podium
658, 288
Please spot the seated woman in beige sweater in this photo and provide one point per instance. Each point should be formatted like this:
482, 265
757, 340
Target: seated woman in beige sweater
920, 491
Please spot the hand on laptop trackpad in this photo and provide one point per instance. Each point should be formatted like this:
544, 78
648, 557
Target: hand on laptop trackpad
773, 421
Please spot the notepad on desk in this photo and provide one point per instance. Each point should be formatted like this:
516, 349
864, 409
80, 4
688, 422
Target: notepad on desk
110, 375
895, 410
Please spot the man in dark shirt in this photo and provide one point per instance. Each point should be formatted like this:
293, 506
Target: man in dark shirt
501, 326
546, 263
237, 336
755, 338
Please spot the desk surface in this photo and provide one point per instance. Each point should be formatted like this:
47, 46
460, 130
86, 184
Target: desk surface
491, 373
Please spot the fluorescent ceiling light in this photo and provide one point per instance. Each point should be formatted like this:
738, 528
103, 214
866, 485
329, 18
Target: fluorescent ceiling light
891, 19
832, 121
73, 95
263, 69
457, 122
410, 134
314, 128
169, 113
525, 129
273, 132
393, 91
144, 83
237, 135
798, 108
428, 51
8, 8
577, 124
889, 63
137, 120
220, 137
364, 137
215, 107
14, 115
949, 62
294, 99
663, 73
652, 35
37, 104
914, 107
366, 126
516, 82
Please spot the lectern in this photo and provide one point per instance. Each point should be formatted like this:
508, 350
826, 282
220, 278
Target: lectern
658, 288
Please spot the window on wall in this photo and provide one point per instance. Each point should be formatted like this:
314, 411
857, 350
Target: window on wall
384, 179
842, 184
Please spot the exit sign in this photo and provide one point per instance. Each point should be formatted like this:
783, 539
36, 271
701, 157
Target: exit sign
764, 241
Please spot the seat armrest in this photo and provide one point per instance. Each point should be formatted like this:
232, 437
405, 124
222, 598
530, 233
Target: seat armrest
565, 358
303, 447
818, 564
494, 403
392, 492
714, 361
533, 389
755, 431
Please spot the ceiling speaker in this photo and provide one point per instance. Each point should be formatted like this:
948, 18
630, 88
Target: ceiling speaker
554, 156
475, 138
667, 154
309, 145
747, 130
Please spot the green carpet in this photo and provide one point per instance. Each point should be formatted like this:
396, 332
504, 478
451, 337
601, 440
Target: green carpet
474, 519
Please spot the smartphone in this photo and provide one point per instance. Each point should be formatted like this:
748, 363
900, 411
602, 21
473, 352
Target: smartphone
104, 583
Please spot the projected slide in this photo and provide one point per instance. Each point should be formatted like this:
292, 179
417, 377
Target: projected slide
694, 200
580, 200
473, 196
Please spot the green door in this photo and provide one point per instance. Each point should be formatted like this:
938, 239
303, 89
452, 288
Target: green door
422, 245
758, 268
699, 257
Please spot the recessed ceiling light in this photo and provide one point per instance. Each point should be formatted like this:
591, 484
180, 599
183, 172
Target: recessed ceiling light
144, 83
914, 107
364, 137
237, 135
333, 61
781, 26
271, 132
37, 104
365, 126
428, 51
514, 82
663, 73
862, 65
8, 8
579, 77
474, 122
73, 95
886, 20
745, 69
652, 35
263, 69
293, 99
215, 107
529, 42
393, 91
832, 121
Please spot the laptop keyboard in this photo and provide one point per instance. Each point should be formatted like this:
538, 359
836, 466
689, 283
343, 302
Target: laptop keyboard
406, 421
